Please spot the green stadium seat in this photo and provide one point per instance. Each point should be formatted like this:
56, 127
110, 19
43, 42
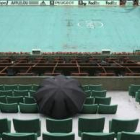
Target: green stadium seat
15, 99
27, 126
11, 87
19, 136
88, 93
35, 87
9, 108
103, 100
29, 100
137, 96
107, 109
5, 126
6, 93
21, 93
32, 93
2, 87
95, 87
89, 100
90, 125
28, 108
101, 93
58, 136
128, 136
59, 125
133, 89
25, 87
117, 125
89, 109
98, 136
85, 87
3, 99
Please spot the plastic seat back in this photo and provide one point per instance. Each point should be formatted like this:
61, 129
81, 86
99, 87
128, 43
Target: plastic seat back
9, 108
107, 109
103, 100
28, 108
90, 125
101, 93
15, 99
21, 93
128, 136
58, 136
27, 126
89, 109
116, 125
19, 136
98, 136
5, 126
59, 125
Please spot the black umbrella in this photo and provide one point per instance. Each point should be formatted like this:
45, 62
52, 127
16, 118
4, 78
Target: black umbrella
60, 97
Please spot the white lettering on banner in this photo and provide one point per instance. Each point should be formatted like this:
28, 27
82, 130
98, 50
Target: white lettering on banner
3, 2
109, 2
129, 3
101, 2
33, 3
43, 3
93, 3
112, 2
89, 3
63, 2
18, 3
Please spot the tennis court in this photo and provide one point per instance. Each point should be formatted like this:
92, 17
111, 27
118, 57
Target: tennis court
63, 28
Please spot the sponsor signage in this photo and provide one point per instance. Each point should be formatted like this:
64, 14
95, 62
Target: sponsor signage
66, 2
57, 2
44, 3
92, 3
3, 2
33, 2
18, 2
129, 3
112, 2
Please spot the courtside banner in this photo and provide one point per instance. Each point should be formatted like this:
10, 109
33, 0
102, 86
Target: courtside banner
65, 2
112, 2
43, 3
3, 2
33, 2
129, 3
101, 2
18, 3
91, 3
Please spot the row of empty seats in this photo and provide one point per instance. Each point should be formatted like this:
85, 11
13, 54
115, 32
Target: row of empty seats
23, 93
98, 100
17, 99
71, 136
19, 87
100, 109
53, 126
69, 66
21, 107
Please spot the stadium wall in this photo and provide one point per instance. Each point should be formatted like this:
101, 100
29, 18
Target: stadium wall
109, 83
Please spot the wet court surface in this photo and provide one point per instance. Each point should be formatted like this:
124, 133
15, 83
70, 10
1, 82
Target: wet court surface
73, 28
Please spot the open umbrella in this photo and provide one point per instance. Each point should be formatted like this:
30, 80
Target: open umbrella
60, 97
